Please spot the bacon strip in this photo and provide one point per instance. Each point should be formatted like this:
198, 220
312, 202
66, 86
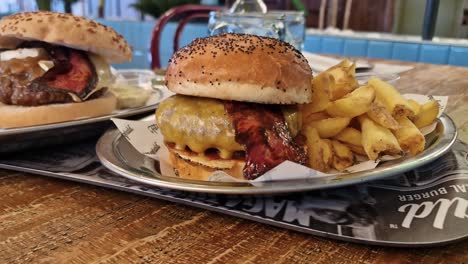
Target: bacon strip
73, 72
77, 79
263, 131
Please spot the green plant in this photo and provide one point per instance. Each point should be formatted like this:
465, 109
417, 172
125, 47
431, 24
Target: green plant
299, 5
43, 4
156, 8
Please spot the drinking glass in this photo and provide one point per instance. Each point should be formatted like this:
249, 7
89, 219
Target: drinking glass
284, 25
242, 6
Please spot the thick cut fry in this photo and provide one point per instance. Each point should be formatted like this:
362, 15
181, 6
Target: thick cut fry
344, 81
329, 127
409, 137
314, 117
379, 114
327, 147
320, 101
428, 114
317, 149
357, 149
343, 64
342, 156
354, 104
415, 106
350, 135
377, 139
391, 98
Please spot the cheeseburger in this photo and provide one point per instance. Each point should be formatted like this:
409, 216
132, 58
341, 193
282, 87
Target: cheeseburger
234, 108
54, 68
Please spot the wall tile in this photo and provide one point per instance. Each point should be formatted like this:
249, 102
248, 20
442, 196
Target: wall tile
312, 43
332, 45
380, 49
436, 54
355, 47
458, 56
405, 51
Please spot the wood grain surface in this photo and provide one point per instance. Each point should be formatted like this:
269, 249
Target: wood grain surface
45, 220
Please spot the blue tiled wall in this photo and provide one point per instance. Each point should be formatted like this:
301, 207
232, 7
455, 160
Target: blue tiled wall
138, 35
332, 45
355, 47
458, 56
313, 43
379, 49
405, 51
395, 50
434, 54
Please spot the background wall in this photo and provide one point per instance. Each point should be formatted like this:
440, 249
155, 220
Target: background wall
409, 17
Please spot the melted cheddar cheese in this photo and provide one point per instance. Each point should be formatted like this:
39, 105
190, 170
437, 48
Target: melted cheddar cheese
202, 123
197, 123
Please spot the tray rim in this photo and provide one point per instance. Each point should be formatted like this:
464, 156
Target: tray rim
107, 154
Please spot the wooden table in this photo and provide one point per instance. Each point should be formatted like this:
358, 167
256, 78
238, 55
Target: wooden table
56, 221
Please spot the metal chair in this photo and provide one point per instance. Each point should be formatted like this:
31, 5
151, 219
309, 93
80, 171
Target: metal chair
187, 13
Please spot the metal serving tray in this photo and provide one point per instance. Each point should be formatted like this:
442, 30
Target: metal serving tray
118, 155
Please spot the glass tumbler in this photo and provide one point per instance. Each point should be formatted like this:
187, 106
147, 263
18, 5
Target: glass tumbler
288, 26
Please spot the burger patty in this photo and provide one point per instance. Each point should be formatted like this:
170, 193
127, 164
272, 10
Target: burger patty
23, 81
15, 77
13, 91
16, 94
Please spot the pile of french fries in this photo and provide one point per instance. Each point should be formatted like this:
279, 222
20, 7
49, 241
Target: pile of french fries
345, 120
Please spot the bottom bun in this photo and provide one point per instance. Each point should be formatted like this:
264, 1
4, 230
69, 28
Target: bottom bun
186, 168
21, 116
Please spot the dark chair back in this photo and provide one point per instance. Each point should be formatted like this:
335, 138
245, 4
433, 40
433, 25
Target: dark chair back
186, 13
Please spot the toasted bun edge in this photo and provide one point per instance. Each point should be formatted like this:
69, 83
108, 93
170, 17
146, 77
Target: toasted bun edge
12, 116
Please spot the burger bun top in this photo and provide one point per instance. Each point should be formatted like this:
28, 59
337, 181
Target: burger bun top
241, 67
65, 30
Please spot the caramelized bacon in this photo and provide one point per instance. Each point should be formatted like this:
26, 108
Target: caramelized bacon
264, 132
72, 72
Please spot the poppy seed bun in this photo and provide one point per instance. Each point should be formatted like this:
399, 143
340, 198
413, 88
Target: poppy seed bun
65, 30
241, 67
